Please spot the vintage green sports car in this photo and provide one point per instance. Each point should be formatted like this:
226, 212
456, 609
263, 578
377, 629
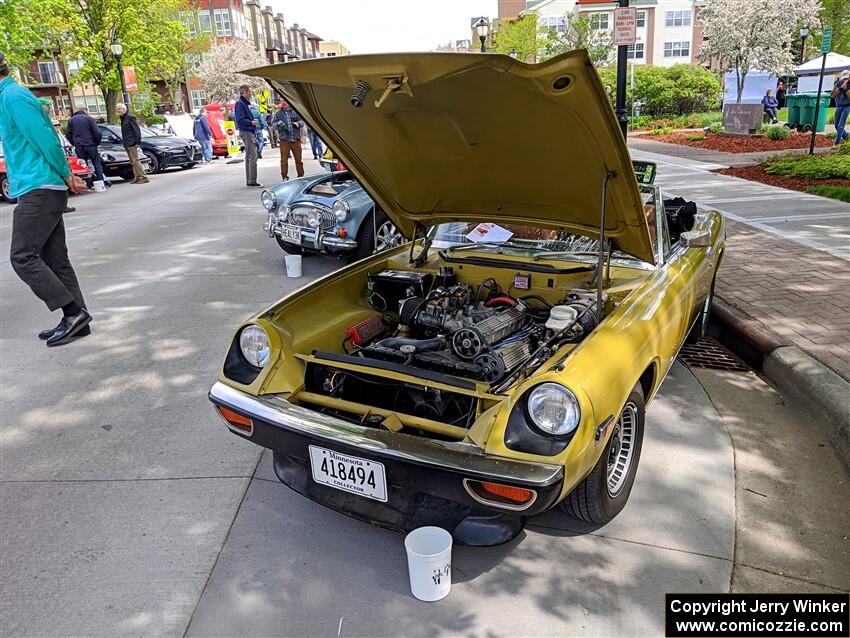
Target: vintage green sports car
499, 364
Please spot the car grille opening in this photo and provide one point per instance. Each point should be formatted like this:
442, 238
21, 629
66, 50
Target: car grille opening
300, 213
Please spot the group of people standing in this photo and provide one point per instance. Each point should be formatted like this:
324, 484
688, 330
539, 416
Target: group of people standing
285, 128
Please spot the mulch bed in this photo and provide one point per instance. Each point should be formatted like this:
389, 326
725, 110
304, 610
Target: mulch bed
757, 174
742, 143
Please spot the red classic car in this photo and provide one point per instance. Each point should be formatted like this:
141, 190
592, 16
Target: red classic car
78, 167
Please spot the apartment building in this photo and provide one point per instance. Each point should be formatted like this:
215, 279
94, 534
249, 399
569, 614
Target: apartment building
667, 30
332, 48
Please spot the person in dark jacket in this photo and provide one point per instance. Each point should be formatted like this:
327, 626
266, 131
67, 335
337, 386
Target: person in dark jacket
770, 105
131, 136
780, 94
247, 124
841, 95
203, 133
85, 136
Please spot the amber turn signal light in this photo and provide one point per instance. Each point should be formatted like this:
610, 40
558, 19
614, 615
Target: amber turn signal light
235, 421
515, 494
498, 495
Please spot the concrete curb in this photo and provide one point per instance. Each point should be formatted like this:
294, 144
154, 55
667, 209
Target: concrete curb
798, 375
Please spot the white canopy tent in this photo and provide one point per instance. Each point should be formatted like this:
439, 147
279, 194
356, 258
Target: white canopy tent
808, 73
756, 85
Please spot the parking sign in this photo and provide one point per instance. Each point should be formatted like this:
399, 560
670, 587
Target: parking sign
625, 25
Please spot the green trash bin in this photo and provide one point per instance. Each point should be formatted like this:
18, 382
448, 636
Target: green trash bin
792, 102
808, 104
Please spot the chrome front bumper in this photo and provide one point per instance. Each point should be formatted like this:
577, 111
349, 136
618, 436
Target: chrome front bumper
463, 458
312, 238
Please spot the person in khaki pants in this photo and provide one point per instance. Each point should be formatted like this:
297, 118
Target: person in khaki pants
131, 135
288, 125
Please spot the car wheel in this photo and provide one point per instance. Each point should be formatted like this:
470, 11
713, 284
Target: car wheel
291, 249
5, 189
187, 166
153, 165
700, 326
376, 237
604, 492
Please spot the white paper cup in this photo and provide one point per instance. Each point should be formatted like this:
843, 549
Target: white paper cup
99, 187
293, 265
429, 562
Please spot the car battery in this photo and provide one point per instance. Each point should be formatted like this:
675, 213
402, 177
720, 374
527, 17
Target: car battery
393, 286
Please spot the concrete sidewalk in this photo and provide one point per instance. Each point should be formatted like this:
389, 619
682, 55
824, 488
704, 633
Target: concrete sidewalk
786, 258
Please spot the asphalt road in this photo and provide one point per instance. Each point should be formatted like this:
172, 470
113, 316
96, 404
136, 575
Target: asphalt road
127, 508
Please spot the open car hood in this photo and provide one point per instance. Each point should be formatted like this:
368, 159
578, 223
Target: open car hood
475, 137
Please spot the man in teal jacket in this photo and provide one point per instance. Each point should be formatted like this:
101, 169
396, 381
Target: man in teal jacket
39, 177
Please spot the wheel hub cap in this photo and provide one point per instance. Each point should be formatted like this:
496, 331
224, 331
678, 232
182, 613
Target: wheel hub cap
621, 450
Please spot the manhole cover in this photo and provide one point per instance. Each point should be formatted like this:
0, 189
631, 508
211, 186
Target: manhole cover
708, 353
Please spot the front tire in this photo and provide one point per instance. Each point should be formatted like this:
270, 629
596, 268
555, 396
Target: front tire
5, 190
153, 165
388, 236
288, 248
604, 492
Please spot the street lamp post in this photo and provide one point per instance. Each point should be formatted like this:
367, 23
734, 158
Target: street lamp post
117, 49
804, 33
483, 28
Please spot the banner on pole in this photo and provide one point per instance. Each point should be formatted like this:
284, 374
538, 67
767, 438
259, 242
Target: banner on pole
625, 26
130, 79
827, 40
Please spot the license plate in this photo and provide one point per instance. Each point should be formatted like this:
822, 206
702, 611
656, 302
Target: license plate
349, 473
290, 233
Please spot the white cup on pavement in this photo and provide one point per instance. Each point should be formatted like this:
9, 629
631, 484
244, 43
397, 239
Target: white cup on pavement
98, 185
293, 265
429, 562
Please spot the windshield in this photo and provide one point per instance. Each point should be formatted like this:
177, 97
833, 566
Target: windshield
521, 241
147, 132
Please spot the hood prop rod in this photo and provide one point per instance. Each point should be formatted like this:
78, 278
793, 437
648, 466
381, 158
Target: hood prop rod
600, 281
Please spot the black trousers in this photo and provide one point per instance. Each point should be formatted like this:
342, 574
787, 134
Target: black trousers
39, 253
91, 154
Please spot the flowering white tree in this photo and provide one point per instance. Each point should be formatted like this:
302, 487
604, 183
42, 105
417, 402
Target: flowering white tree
743, 35
220, 67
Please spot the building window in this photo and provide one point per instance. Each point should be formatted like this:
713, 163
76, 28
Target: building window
95, 104
640, 19
599, 21
188, 20
677, 18
222, 22
205, 22
677, 49
199, 98
74, 66
48, 72
331, 54
558, 23
635, 51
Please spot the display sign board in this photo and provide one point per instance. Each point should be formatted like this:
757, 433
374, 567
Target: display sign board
742, 119
827, 40
644, 171
625, 26
232, 140
130, 79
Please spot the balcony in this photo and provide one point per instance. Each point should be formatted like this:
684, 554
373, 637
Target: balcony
273, 44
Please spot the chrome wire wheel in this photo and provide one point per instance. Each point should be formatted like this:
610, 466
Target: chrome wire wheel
5, 191
621, 449
387, 236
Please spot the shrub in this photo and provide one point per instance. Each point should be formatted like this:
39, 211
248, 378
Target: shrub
666, 91
661, 123
831, 134
823, 166
154, 120
662, 130
692, 121
695, 138
639, 122
777, 133
831, 190
843, 149
716, 127
708, 119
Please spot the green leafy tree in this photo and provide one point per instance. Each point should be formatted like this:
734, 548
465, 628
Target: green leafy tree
578, 34
151, 32
518, 37
835, 14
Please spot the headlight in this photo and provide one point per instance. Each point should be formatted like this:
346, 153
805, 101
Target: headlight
314, 220
341, 209
254, 343
107, 157
283, 213
553, 409
269, 200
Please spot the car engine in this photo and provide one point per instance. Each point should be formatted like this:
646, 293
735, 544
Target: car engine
478, 332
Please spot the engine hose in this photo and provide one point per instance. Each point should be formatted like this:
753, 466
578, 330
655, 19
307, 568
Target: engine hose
538, 298
510, 301
421, 345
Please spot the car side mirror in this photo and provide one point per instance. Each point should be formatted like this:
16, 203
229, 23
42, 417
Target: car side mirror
695, 238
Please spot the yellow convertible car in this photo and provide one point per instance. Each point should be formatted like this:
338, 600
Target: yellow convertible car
500, 363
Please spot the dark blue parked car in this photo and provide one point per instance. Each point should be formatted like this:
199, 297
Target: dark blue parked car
328, 213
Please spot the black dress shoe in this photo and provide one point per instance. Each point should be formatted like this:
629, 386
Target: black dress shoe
69, 328
44, 335
255, 184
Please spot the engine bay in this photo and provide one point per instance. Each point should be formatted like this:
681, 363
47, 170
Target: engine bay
435, 322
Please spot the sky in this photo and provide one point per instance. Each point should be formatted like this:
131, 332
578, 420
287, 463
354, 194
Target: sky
382, 26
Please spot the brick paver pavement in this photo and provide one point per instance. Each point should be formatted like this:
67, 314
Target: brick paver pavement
800, 293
